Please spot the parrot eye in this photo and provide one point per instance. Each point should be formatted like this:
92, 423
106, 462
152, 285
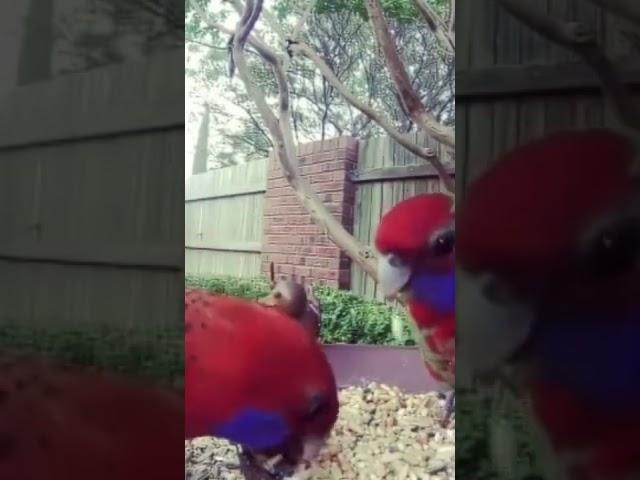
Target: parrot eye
443, 243
615, 249
395, 261
317, 405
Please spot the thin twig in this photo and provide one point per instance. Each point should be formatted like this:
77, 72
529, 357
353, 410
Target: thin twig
578, 39
302, 21
438, 26
422, 152
398, 73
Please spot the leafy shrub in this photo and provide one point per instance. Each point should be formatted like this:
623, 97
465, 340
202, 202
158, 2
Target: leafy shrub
156, 354
346, 318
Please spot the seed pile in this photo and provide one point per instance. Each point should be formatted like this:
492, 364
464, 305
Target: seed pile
381, 434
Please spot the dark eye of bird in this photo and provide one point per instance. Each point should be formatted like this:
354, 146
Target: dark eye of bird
316, 406
444, 243
615, 249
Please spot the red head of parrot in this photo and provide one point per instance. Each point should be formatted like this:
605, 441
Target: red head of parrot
549, 250
416, 240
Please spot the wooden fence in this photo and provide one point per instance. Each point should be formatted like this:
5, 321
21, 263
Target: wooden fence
223, 220
512, 85
87, 235
224, 208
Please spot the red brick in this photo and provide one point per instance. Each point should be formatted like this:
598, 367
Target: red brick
291, 239
326, 273
301, 271
284, 269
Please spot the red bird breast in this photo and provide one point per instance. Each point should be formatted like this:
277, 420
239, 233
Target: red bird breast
64, 423
254, 375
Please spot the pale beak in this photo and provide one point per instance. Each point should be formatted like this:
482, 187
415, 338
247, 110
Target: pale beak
488, 332
393, 274
312, 447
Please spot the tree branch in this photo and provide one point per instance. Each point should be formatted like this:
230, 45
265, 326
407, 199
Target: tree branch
398, 73
271, 21
302, 20
628, 10
422, 152
280, 130
205, 44
578, 39
438, 26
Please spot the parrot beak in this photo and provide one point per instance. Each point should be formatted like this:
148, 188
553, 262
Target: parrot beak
312, 447
393, 274
489, 330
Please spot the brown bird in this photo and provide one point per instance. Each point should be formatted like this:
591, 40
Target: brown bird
296, 300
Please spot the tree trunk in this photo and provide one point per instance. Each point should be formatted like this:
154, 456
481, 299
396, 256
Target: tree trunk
202, 145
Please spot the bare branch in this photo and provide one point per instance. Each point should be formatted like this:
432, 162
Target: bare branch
438, 26
280, 130
452, 19
577, 38
425, 153
205, 44
419, 114
254, 41
629, 10
269, 18
301, 21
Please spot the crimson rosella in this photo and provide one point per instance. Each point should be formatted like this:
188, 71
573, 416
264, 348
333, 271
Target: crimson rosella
549, 257
416, 240
63, 422
255, 376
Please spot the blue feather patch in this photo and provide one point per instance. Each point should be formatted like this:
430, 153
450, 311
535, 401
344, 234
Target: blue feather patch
598, 360
255, 429
436, 290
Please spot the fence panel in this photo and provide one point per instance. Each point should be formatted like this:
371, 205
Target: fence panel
57, 175
224, 220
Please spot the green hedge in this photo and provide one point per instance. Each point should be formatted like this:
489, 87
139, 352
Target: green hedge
156, 354
346, 318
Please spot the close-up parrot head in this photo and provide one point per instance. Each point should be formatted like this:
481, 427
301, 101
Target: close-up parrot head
549, 257
416, 241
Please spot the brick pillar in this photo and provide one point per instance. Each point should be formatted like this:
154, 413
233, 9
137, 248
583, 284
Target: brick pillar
292, 241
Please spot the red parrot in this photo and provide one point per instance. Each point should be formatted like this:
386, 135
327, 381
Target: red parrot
549, 256
416, 240
255, 376
65, 423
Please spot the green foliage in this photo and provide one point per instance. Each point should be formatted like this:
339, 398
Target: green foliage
403, 11
400, 10
346, 318
345, 41
478, 414
155, 353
